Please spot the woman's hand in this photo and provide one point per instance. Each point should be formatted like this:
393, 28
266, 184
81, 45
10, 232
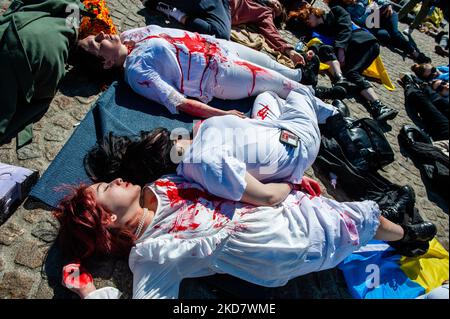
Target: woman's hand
78, 280
296, 57
310, 186
341, 56
387, 12
236, 113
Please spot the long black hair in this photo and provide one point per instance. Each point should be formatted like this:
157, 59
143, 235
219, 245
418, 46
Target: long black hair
137, 160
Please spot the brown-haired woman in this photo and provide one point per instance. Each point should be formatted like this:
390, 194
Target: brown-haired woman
354, 50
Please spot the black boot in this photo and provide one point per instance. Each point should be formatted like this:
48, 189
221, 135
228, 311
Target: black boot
410, 134
403, 206
407, 80
342, 107
419, 232
381, 112
334, 93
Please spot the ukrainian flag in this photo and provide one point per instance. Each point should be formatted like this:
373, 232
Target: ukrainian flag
377, 271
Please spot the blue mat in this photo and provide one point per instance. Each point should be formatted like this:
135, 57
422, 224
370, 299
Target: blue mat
123, 112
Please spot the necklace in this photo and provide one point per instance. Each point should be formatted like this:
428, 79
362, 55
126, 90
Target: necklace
141, 223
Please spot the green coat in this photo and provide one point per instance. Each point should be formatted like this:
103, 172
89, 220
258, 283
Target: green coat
34, 46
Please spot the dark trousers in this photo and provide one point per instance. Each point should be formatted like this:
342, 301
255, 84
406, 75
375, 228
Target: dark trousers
432, 110
389, 34
359, 57
204, 16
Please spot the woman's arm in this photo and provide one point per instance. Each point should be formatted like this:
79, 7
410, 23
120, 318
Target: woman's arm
343, 24
78, 280
199, 109
259, 194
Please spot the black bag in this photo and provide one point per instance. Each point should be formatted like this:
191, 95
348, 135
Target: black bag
357, 183
371, 143
361, 141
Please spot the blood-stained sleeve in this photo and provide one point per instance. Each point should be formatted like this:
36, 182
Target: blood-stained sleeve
146, 81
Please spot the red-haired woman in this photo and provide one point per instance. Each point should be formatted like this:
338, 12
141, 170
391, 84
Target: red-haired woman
172, 229
354, 50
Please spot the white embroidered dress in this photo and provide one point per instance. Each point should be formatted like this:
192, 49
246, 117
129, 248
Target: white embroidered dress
195, 234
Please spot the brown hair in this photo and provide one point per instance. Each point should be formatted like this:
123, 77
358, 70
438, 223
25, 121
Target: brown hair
419, 69
83, 229
304, 12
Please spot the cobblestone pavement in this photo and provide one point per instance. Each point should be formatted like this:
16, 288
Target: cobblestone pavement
30, 264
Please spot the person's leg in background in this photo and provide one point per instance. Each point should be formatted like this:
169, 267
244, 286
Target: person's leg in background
407, 8
216, 22
421, 15
434, 121
357, 59
261, 59
382, 34
206, 16
442, 47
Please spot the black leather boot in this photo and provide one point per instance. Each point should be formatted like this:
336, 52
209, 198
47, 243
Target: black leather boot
333, 93
403, 207
419, 232
342, 107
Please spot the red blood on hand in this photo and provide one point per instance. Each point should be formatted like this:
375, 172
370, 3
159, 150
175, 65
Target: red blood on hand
75, 276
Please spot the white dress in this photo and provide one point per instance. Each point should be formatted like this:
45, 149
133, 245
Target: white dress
195, 234
227, 147
167, 65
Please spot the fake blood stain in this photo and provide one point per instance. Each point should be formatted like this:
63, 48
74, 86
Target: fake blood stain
194, 45
254, 70
191, 199
77, 277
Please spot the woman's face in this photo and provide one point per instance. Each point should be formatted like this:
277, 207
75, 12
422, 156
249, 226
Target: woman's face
105, 46
119, 198
277, 7
442, 87
313, 21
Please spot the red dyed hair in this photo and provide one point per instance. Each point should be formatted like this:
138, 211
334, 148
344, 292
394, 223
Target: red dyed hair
84, 231
304, 12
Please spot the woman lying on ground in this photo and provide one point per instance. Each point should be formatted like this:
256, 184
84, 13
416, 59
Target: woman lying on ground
173, 229
236, 159
352, 52
172, 67
427, 72
386, 29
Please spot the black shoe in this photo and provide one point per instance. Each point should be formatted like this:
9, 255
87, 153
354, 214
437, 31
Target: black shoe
410, 134
440, 50
310, 71
403, 207
381, 112
341, 107
408, 80
419, 232
415, 249
334, 93
422, 58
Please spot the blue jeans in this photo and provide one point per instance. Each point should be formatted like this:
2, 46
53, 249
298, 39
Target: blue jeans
211, 17
389, 34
